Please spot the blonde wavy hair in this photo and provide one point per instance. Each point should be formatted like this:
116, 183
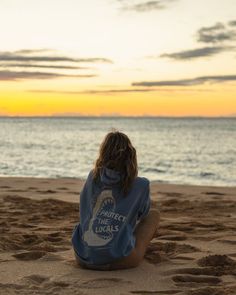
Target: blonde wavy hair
117, 152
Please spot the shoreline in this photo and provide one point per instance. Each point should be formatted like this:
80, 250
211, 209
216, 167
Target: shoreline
192, 254
53, 187
153, 182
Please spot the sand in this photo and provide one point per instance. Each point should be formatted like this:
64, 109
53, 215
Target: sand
194, 252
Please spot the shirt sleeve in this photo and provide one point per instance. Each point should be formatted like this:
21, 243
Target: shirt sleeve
145, 205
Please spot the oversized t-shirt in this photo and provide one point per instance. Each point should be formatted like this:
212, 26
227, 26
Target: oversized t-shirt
108, 218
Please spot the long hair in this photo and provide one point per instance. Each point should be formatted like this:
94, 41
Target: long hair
117, 153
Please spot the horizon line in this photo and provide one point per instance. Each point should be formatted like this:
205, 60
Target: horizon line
116, 116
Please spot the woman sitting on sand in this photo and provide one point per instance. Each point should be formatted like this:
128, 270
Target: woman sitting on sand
116, 222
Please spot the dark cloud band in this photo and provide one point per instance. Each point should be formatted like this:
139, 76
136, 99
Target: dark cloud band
29, 58
109, 91
144, 6
25, 65
187, 82
45, 59
14, 76
196, 53
118, 91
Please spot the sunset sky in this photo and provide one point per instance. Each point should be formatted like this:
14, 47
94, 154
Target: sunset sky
118, 57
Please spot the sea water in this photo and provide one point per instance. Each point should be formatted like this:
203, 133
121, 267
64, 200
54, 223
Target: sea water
171, 150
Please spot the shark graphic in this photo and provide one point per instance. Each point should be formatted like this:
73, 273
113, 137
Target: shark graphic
105, 202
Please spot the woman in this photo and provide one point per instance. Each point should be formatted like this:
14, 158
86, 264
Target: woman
116, 222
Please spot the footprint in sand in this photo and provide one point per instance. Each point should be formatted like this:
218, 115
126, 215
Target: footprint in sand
231, 242
63, 188
28, 225
206, 291
170, 249
211, 280
54, 239
49, 191
209, 271
32, 255
60, 284
181, 257
7, 288
36, 279
47, 283
158, 252
212, 267
173, 194
179, 227
52, 257
17, 190
164, 292
173, 237
232, 254
213, 193
102, 283
73, 193
43, 246
216, 260
29, 242
220, 263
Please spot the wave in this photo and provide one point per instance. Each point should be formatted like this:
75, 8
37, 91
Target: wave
207, 174
155, 170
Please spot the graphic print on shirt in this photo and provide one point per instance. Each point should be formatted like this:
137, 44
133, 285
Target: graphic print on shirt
105, 222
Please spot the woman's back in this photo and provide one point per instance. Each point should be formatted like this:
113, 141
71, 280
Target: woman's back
108, 218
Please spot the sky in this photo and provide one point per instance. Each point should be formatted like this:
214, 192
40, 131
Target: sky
118, 58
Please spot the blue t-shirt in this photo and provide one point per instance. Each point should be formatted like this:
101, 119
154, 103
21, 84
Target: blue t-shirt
108, 218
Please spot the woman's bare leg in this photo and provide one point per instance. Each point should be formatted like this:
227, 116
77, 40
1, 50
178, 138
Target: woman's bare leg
144, 233
146, 230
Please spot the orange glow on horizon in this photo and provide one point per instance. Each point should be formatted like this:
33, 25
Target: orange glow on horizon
188, 103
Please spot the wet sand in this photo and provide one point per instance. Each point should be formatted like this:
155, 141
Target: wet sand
194, 252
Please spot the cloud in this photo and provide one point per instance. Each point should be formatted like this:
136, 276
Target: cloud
147, 6
109, 91
232, 23
33, 51
44, 59
115, 91
215, 34
144, 6
187, 82
14, 76
25, 65
218, 33
13, 56
197, 52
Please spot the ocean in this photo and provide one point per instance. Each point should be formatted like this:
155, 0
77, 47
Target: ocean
198, 151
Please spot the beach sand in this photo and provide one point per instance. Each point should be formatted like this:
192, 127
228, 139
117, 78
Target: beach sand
194, 252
